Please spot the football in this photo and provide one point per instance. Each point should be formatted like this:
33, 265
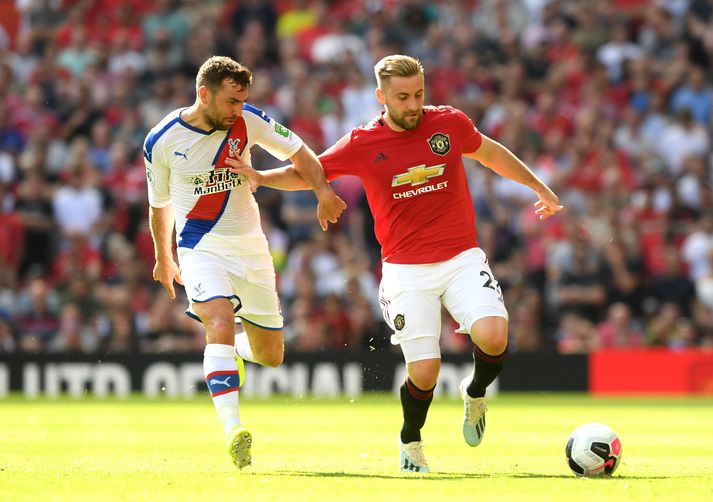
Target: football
593, 450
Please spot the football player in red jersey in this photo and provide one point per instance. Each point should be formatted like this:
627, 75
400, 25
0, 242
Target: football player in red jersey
409, 159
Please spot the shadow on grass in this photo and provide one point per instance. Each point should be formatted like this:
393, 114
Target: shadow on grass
443, 476
434, 476
572, 476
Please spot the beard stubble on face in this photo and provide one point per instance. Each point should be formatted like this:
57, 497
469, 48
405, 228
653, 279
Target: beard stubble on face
213, 118
407, 120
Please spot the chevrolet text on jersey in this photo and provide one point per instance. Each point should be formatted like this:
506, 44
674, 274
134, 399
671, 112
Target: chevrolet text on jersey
419, 191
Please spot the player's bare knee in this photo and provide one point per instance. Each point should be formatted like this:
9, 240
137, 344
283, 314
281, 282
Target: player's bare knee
490, 334
424, 374
219, 330
493, 343
424, 381
498, 344
270, 355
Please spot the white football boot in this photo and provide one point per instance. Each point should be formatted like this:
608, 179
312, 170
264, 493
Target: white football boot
473, 415
411, 458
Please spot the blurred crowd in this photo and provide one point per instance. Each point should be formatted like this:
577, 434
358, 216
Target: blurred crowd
609, 102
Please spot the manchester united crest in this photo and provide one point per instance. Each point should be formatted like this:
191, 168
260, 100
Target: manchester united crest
440, 143
399, 322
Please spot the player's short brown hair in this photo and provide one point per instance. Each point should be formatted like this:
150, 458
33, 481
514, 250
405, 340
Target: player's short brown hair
216, 69
396, 65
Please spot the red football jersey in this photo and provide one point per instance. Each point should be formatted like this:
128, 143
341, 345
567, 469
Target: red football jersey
415, 183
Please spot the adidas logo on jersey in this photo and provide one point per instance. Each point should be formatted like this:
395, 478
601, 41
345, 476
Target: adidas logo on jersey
380, 157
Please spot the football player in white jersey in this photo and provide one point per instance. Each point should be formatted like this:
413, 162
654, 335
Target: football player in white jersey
225, 265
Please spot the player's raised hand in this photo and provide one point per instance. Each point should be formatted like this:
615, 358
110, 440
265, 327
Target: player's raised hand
165, 272
548, 205
329, 207
239, 166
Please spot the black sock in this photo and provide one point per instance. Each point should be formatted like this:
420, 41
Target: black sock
487, 368
415, 403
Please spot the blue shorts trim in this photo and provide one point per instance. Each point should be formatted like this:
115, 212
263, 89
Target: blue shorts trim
231, 297
258, 325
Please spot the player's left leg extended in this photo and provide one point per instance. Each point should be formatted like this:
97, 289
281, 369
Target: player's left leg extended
490, 336
475, 301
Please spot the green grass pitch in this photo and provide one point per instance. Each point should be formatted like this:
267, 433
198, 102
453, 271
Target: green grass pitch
346, 450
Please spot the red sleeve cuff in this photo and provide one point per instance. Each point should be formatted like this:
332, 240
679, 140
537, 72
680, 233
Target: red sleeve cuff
473, 142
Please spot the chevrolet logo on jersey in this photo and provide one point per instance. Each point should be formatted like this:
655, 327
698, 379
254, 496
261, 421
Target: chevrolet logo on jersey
418, 175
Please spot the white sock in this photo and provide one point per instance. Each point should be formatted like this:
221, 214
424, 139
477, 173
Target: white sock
221, 375
242, 347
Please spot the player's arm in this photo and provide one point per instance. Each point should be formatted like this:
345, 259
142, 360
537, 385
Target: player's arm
161, 221
502, 161
166, 270
284, 144
329, 205
337, 160
281, 178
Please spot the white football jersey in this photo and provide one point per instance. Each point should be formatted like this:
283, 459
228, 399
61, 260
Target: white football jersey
214, 209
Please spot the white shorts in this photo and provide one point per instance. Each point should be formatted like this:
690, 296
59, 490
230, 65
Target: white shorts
411, 298
248, 281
